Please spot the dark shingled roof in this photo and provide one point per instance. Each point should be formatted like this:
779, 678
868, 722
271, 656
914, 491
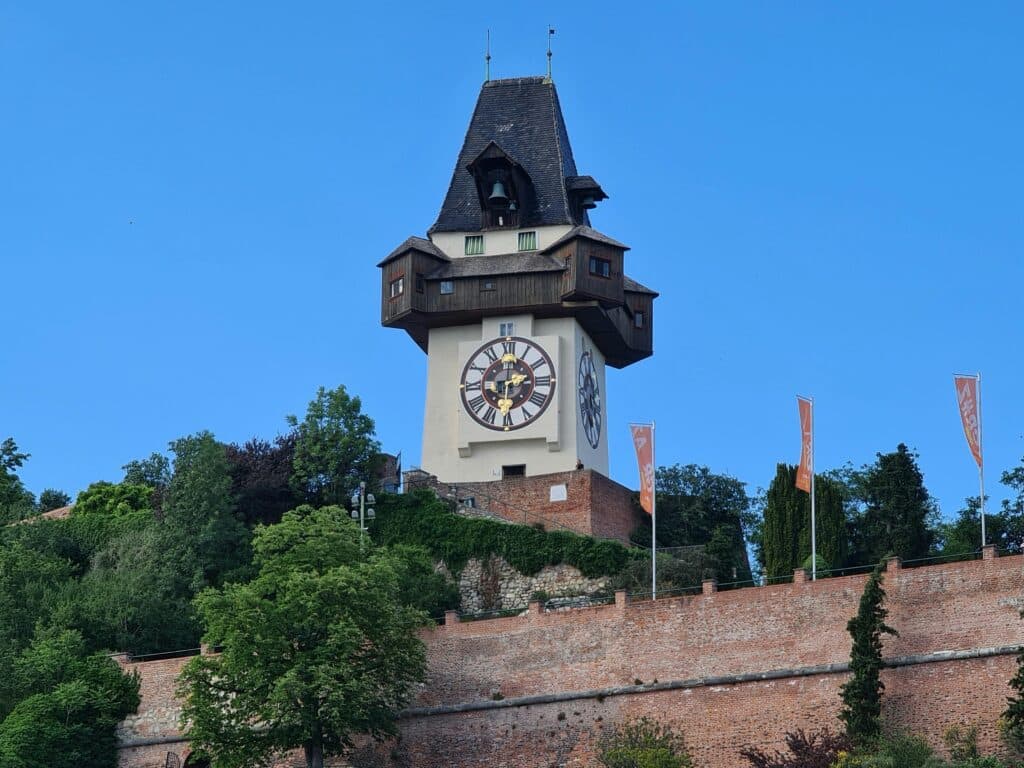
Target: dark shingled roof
523, 117
631, 285
415, 244
487, 266
590, 234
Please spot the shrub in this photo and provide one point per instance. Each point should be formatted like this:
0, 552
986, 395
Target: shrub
805, 750
643, 743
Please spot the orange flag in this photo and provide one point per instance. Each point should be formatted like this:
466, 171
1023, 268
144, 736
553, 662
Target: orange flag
967, 398
643, 442
803, 472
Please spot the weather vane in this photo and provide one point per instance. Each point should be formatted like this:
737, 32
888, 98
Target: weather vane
551, 33
487, 59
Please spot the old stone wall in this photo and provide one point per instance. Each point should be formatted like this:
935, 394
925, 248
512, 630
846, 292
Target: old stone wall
494, 585
730, 669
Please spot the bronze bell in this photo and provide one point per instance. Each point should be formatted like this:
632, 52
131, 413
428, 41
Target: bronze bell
498, 194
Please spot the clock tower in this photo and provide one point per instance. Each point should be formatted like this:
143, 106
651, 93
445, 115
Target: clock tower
520, 305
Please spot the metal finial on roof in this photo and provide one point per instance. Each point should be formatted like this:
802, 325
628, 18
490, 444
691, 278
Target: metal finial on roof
551, 33
487, 59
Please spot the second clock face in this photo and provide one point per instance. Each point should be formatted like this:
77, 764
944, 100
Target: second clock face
589, 394
507, 383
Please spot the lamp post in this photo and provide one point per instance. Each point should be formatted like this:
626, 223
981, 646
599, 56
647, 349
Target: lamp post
360, 498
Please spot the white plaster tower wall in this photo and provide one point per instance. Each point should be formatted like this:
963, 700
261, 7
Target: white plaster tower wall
553, 444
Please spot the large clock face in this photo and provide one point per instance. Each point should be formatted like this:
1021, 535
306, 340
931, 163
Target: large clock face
507, 383
589, 394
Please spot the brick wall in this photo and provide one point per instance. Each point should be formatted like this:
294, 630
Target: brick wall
731, 669
594, 504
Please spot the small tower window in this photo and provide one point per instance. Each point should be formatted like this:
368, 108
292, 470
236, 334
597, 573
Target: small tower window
507, 329
474, 245
447, 287
527, 241
487, 285
419, 282
600, 267
513, 470
638, 319
397, 287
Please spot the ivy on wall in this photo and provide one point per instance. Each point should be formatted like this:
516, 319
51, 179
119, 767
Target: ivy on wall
423, 519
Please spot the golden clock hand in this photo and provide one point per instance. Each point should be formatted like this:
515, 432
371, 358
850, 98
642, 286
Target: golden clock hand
518, 378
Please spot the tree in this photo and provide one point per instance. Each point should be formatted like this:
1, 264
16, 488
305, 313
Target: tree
643, 743
315, 649
1011, 724
199, 513
862, 693
52, 499
67, 706
699, 507
1004, 528
335, 448
154, 471
110, 500
786, 536
261, 479
16, 502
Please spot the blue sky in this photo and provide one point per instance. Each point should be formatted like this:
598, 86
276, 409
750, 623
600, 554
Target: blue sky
829, 198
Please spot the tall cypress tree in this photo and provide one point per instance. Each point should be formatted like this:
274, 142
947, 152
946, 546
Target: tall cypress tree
1013, 715
862, 693
787, 523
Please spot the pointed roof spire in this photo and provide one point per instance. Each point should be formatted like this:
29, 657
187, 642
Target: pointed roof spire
523, 117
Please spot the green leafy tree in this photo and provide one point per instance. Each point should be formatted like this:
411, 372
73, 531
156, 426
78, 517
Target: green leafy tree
1003, 527
52, 499
316, 648
28, 584
16, 502
68, 705
894, 513
335, 448
643, 743
199, 512
786, 535
115, 500
862, 693
154, 471
699, 507
136, 596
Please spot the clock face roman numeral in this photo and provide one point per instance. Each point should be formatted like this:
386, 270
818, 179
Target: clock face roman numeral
499, 380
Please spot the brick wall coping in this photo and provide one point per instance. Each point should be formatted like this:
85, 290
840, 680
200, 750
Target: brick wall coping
702, 682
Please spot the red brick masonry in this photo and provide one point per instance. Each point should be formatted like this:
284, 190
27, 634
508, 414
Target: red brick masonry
730, 669
594, 504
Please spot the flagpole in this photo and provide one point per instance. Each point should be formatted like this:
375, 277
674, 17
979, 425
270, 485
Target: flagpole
654, 520
814, 527
981, 467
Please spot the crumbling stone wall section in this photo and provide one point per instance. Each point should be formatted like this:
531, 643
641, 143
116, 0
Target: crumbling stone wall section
496, 585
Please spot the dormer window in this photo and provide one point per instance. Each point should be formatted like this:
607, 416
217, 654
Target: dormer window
503, 188
397, 287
